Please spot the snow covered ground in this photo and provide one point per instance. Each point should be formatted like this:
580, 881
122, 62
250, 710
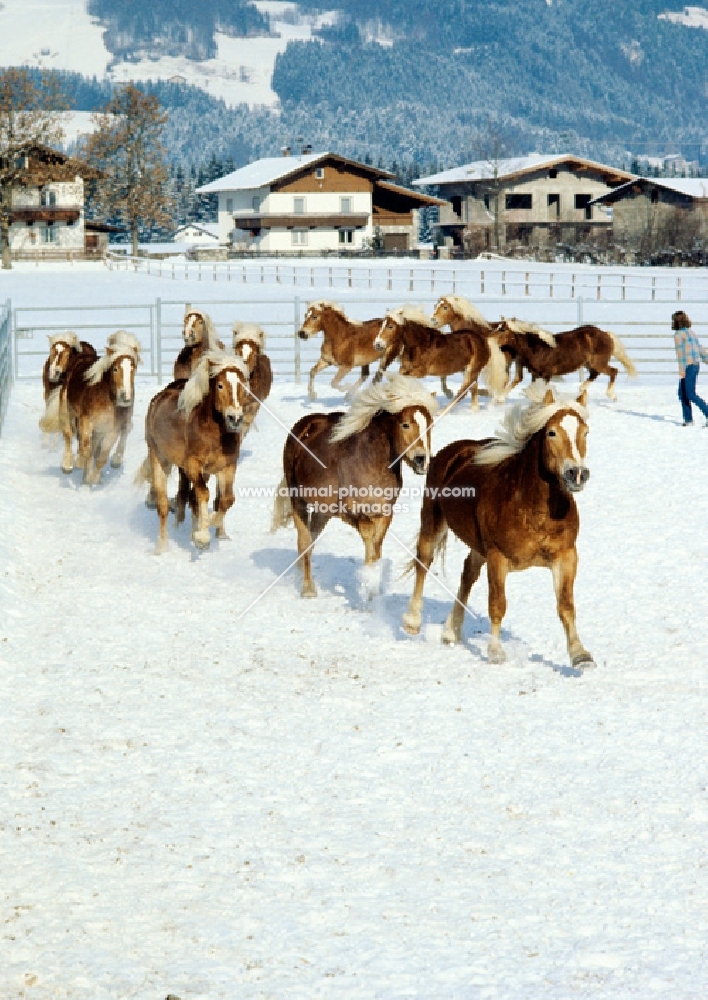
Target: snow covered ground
301, 801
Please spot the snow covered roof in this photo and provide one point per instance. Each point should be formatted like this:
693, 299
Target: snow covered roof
263, 173
207, 228
511, 167
692, 187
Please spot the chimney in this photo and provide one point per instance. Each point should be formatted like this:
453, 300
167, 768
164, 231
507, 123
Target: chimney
306, 150
285, 151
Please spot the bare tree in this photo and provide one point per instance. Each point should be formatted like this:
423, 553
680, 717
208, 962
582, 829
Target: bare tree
30, 116
492, 146
127, 148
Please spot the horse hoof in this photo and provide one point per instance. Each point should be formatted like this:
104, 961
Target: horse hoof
116, 462
312, 396
308, 592
162, 546
201, 540
583, 661
411, 625
67, 469
496, 655
450, 638
449, 394
150, 503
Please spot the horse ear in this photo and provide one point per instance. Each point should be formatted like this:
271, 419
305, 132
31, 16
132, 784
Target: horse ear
548, 398
583, 398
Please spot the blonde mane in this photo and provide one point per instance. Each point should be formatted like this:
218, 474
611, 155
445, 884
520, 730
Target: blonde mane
526, 419
212, 337
523, 328
121, 338
321, 304
411, 314
248, 331
69, 338
465, 310
98, 369
392, 396
197, 386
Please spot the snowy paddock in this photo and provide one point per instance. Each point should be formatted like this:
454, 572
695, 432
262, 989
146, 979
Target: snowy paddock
301, 801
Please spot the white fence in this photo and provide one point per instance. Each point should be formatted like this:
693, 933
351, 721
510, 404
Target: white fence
5, 357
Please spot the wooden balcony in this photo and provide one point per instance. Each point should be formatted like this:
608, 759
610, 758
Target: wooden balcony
306, 220
45, 213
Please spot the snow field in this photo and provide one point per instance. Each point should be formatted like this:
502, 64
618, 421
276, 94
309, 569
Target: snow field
300, 800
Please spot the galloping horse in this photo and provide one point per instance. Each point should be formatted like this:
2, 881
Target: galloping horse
90, 406
199, 335
347, 343
425, 351
584, 347
513, 507
249, 344
117, 340
458, 313
64, 350
195, 425
345, 457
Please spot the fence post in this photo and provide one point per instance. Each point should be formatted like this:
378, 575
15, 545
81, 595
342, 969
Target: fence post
481, 282
158, 340
580, 310
296, 317
678, 289
526, 284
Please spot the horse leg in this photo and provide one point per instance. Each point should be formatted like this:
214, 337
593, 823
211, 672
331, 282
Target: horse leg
341, 373
67, 462
305, 542
372, 534
182, 497
100, 455
452, 630
432, 532
225, 487
360, 381
200, 520
497, 569
613, 373
519, 367
85, 436
444, 386
159, 474
592, 375
126, 425
564, 569
316, 368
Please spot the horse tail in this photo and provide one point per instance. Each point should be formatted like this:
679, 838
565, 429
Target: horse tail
439, 551
619, 352
144, 473
282, 508
50, 423
495, 369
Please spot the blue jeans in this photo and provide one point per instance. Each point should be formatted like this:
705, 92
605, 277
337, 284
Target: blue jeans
687, 394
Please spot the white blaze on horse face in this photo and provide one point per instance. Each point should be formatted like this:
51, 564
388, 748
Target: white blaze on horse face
127, 366
246, 351
571, 425
234, 381
54, 366
188, 330
419, 418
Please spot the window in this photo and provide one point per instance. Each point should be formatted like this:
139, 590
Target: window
654, 196
582, 203
456, 202
47, 198
554, 206
486, 202
49, 234
319, 173
299, 237
346, 236
553, 174
518, 201
256, 203
345, 206
229, 205
299, 206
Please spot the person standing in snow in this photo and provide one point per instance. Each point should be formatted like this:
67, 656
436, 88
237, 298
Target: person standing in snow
689, 353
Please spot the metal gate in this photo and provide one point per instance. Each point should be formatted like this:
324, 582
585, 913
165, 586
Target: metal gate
5, 357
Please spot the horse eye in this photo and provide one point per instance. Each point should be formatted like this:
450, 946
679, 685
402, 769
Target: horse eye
221, 385
405, 426
551, 434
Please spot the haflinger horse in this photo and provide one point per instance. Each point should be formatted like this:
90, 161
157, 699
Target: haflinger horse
116, 341
511, 500
64, 350
199, 335
249, 344
408, 334
347, 344
90, 406
348, 465
584, 347
195, 425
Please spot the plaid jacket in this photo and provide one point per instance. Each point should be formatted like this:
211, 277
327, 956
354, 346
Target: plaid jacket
689, 350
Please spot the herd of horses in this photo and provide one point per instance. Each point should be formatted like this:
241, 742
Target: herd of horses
509, 499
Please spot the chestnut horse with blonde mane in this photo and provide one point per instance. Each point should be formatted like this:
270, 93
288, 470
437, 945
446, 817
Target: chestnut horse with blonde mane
92, 405
249, 344
511, 501
353, 461
195, 425
64, 350
347, 343
199, 334
584, 347
423, 350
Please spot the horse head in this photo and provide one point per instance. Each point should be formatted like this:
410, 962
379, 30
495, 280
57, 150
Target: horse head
443, 312
313, 322
195, 329
121, 374
413, 434
564, 444
61, 347
389, 332
228, 386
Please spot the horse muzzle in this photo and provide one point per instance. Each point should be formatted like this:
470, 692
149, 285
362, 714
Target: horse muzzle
302, 334
54, 374
575, 477
233, 421
379, 345
419, 464
124, 398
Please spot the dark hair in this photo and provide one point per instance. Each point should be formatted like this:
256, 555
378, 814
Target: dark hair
680, 320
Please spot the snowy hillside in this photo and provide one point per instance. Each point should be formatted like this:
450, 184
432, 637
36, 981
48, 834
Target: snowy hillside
217, 798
